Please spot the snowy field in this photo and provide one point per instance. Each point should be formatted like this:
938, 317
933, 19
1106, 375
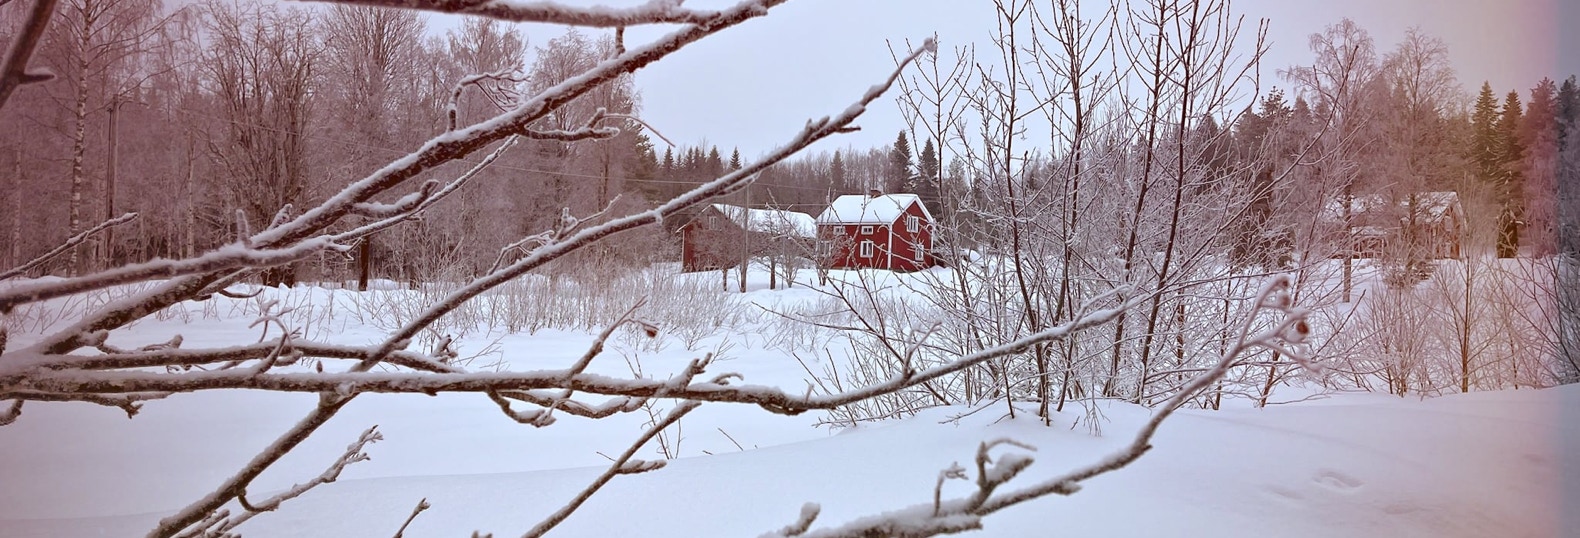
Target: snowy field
1483, 464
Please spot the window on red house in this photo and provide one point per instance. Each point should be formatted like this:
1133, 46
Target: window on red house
866, 249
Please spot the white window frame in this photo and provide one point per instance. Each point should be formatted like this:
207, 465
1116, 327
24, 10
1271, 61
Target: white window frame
913, 223
867, 249
920, 252
866, 230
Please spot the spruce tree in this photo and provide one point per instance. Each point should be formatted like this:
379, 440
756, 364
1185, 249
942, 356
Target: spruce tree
836, 172
735, 159
1484, 147
1509, 151
714, 167
667, 172
1568, 107
899, 165
928, 182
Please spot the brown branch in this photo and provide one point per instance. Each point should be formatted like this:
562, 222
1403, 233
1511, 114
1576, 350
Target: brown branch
421, 505
13, 68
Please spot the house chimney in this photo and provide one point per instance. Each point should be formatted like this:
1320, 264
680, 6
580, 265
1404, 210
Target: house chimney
874, 193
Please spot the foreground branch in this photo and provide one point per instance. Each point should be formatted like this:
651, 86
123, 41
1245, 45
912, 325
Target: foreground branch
13, 68
63, 247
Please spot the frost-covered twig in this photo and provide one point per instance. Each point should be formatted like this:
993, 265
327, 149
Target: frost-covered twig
499, 77
652, 12
622, 465
224, 258
425, 198
130, 403
682, 387
353, 454
66, 246
17, 364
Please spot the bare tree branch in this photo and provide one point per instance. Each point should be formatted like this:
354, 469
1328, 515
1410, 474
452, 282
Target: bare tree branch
13, 68
622, 465
652, 12
64, 247
421, 505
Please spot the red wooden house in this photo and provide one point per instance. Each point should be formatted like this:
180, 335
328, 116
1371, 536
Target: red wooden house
877, 231
723, 236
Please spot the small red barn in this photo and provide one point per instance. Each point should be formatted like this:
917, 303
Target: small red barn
723, 236
877, 231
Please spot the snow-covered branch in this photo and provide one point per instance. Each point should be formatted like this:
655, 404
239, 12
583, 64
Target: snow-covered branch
652, 12
225, 258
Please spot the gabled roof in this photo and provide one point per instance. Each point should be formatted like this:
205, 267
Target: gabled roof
866, 209
1431, 205
770, 221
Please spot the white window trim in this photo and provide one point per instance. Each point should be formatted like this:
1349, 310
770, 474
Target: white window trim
920, 252
866, 249
866, 230
913, 223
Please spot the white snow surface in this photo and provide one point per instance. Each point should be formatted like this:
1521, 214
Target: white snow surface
770, 221
1483, 464
867, 209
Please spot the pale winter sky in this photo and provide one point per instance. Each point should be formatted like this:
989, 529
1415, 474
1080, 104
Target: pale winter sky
755, 85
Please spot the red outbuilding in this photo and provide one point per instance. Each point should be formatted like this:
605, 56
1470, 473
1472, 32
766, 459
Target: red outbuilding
877, 231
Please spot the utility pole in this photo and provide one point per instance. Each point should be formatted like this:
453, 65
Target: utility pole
108, 252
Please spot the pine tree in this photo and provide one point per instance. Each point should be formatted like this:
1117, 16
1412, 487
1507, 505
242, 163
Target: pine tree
735, 159
928, 182
899, 165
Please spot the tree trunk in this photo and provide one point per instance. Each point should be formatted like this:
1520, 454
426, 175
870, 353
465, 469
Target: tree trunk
364, 263
79, 145
15, 258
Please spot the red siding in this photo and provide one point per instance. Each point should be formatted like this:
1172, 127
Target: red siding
896, 252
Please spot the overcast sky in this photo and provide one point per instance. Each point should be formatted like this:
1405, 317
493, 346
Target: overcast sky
755, 85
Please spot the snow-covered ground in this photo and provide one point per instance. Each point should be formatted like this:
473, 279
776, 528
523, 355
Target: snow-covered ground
1483, 464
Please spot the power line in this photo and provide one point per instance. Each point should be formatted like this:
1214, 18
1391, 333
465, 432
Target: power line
397, 152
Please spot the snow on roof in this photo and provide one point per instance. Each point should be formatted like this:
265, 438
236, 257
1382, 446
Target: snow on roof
770, 221
867, 209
